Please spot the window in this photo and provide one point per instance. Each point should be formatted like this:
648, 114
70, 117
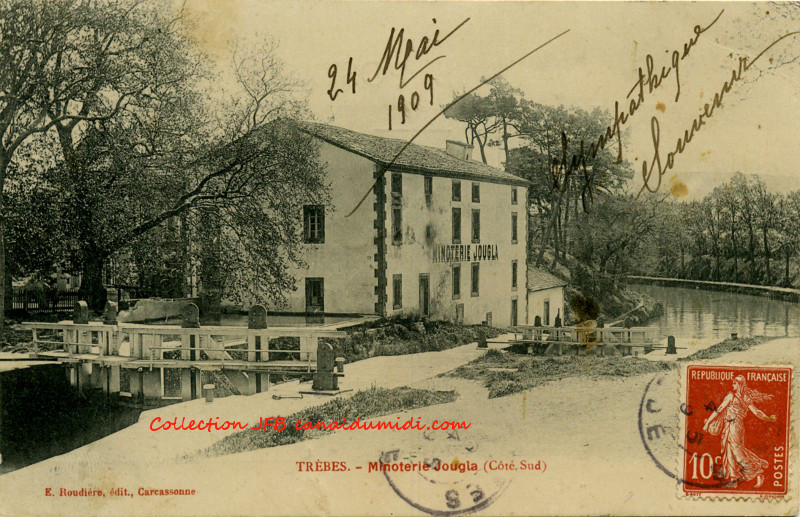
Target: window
476, 192
397, 210
397, 186
514, 196
456, 281
397, 291
513, 274
397, 225
428, 190
315, 295
314, 224
456, 190
514, 228
456, 226
475, 279
476, 226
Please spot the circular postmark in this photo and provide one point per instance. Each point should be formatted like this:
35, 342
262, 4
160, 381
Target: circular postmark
443, 474
665, 440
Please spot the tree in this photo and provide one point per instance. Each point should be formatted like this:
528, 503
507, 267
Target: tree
475, 112
743, 197
505, 102
788, 217
228, 197
624, 227
112, 88
497, 112
766, 222
728, 200
711, 209
67, 63
738, 218
565, 176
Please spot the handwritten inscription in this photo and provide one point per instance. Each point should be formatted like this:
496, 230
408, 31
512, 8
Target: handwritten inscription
650, 79
398, 53
707, 112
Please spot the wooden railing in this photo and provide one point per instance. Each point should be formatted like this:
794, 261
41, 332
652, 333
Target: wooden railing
98, 353
588, 339
98, 339
216, 342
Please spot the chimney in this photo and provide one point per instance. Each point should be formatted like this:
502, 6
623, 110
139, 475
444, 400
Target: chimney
458, 150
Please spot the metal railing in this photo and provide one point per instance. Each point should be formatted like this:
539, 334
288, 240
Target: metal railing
44, 301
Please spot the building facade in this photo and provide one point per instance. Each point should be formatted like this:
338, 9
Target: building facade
438, 235
545, 297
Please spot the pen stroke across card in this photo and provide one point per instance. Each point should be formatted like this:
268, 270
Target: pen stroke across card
399, 258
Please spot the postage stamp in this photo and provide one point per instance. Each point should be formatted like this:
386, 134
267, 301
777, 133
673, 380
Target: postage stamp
736, 423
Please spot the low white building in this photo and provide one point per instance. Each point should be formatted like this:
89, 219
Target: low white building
545, 297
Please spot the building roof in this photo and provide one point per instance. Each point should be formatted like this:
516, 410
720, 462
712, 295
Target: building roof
539, 280
414, 158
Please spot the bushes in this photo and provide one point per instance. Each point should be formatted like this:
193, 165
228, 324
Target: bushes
729, 345
505, 373
363, 404
406, 335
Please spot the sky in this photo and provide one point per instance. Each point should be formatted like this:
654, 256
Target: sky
594, 64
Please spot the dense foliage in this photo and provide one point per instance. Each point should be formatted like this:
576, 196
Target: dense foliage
740, 232
118, 152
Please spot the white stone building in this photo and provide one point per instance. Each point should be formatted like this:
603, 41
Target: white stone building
439, 235
545, 297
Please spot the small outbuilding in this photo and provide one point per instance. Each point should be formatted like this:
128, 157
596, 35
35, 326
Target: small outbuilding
545, 296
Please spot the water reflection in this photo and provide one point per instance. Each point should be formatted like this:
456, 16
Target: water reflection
699, 315
273, 320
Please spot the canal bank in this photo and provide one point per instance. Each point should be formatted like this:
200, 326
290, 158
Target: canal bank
42, 416
779, 293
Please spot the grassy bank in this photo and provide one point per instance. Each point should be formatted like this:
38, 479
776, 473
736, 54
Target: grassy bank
727, 346
504, 373
363, 404
400, 336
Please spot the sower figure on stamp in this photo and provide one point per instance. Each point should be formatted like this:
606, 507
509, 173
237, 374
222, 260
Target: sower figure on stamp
738, 462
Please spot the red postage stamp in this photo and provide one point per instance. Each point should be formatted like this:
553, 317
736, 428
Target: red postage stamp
736, 438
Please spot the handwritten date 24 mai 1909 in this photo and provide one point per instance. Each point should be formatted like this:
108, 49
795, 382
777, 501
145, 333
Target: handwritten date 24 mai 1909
649, 79
400, 49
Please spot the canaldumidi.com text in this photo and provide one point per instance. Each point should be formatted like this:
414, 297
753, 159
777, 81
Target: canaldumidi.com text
279, 424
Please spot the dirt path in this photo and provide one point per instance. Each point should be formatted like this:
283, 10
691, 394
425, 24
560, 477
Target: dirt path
586, 432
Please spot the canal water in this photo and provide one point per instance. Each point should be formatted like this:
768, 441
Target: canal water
698, 318
273, 320
42, 416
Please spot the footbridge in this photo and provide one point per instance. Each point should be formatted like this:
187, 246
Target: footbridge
156, 364
589, 339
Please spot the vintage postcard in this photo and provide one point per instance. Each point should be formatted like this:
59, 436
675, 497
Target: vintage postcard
399, 258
